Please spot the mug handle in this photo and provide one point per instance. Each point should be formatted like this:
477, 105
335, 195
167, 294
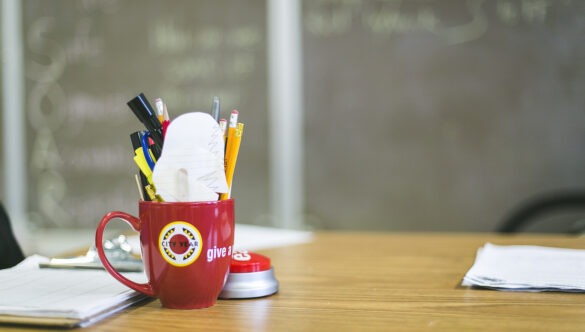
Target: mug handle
135, 224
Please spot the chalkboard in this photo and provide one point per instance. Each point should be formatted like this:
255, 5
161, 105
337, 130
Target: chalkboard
440, 115
418, 115
85, 59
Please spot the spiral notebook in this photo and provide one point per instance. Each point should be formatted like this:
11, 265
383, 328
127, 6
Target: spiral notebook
61, 298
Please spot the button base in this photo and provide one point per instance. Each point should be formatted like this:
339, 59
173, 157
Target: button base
249, 285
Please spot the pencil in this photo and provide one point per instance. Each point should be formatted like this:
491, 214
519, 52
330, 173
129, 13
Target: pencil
139, 185
223, 127
232, 159
159, 109
230, 134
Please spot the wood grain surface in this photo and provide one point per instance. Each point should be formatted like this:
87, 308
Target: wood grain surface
347, 281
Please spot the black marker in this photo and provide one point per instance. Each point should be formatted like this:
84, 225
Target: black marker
146, 114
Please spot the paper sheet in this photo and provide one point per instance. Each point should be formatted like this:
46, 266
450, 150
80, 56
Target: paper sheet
251, 237
191, 165
528, 268
71, 295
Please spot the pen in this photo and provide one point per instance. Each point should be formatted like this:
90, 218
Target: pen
215, 109
144, 112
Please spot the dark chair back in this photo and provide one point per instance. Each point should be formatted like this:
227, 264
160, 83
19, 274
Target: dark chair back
554, 212
10, 252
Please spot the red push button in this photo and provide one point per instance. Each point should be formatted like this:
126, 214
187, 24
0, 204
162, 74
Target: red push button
251, 276
244, 262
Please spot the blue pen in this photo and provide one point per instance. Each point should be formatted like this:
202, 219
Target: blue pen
146, 150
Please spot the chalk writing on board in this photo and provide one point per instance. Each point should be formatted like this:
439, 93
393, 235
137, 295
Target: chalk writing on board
45, 157
212, 54
327, 18
86, 59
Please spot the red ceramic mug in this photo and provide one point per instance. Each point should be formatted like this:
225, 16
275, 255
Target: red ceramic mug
186, 250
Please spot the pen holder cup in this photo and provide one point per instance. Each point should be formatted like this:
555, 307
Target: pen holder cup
186, 250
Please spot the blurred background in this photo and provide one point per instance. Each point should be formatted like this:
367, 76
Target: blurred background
421, 115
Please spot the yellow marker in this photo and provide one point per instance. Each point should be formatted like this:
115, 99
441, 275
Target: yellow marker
231, 158
140, 160
151, 191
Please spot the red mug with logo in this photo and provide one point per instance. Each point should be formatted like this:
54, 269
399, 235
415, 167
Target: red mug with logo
186, 250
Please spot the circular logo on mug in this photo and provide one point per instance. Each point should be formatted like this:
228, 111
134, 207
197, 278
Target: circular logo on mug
180, 243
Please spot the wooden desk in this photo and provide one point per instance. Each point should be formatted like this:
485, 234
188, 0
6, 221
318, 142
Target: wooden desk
376, 281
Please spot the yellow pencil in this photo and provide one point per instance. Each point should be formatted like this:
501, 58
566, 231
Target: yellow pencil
159, 109
230, 134
234, 147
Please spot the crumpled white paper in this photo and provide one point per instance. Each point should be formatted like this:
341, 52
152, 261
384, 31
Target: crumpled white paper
191, 165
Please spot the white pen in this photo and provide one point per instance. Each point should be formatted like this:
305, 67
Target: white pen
215, 108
